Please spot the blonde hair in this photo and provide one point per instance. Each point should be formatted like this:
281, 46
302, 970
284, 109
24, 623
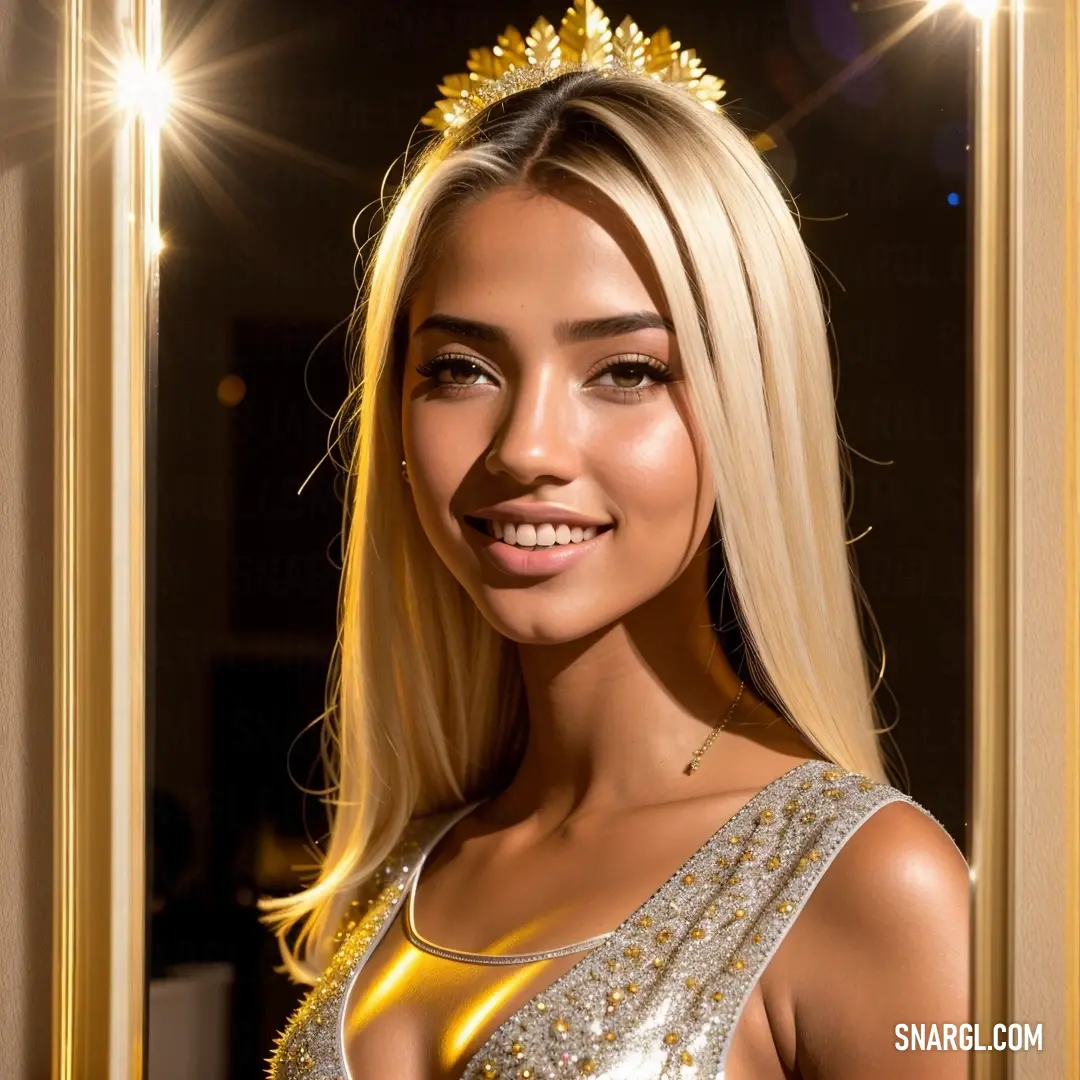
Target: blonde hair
425, 710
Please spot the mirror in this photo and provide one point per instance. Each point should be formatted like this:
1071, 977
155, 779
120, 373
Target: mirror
283, 124
303, 111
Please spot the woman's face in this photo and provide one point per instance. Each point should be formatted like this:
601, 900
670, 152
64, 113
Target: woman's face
549, 445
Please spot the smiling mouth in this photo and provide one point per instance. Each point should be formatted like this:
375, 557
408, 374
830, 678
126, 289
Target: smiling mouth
536, 537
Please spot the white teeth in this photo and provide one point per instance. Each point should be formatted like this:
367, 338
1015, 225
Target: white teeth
540, 536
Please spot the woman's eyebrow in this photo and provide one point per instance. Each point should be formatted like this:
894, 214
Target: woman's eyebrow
612, 326
466, 328
565, 332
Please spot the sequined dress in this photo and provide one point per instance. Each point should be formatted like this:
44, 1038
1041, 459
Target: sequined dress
661, 996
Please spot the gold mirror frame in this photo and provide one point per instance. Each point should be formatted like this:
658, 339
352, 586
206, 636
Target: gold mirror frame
1025, 678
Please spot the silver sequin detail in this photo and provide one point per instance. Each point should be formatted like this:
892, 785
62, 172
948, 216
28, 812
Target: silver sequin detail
692, 952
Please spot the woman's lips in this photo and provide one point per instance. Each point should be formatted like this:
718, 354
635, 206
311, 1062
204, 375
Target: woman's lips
536, 562
535, 534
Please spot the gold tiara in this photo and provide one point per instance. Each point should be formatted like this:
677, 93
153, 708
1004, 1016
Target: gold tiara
583, 42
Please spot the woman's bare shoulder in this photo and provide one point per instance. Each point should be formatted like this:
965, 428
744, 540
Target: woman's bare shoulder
885, 935
899, 858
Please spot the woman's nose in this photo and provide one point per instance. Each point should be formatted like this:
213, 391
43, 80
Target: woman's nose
538, 436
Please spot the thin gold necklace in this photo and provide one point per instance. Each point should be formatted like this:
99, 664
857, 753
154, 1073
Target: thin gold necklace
695, 759
415, 938
420, 942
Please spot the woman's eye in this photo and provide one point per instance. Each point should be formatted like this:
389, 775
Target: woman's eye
631, 376
452, 371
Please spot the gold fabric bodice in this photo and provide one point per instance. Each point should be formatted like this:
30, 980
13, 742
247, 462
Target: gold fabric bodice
660, 997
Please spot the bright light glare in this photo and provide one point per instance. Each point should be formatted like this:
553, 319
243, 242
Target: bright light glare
144, 92
981, 9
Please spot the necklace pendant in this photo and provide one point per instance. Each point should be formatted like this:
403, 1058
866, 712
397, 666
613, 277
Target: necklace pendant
695, 759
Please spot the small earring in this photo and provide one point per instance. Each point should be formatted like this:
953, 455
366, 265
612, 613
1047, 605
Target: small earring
405, 471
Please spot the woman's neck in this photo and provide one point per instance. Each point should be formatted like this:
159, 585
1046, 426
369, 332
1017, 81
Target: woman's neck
614, 719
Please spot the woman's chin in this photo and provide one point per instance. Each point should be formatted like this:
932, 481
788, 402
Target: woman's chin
526, 624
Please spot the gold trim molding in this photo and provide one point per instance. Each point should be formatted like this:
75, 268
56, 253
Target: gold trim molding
1072, 535
992, 538
1025, 585
105, 332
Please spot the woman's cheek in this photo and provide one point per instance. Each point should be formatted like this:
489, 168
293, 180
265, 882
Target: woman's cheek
653, 474
442, 448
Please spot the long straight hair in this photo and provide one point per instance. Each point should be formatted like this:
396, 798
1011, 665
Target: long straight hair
425, 702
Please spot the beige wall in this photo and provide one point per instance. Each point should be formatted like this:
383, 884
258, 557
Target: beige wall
26, 252
1042, 893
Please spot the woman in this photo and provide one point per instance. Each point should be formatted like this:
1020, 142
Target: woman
596, 404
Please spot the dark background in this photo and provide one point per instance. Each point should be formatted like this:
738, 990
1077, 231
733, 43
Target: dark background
295, 113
